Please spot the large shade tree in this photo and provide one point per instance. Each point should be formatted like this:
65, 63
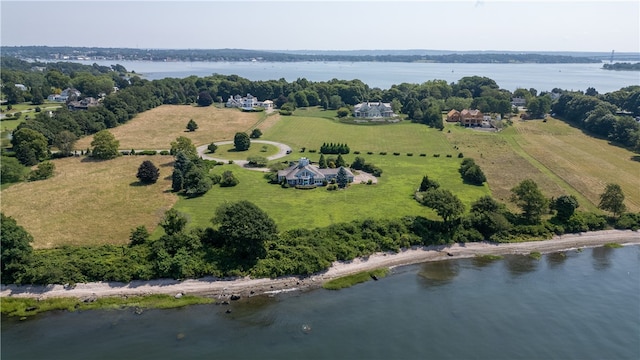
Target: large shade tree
241, 141
15, 248
612, 199
530, 200
105, 145
244, 228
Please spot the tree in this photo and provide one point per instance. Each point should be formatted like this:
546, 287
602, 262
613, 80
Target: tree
139, 236
612, 199
358, 163
148, 173
36, 96
196, 182
105, 145
335, 101
241, 141
565, 206
342, 179
343, 112
11, 170
173, 222
212, 147
44, 171
65, 141
184, 145
228, 179
192, 126
340, 161
15, 248
474, 175
530, 200
428, 184
444, 203
255, 133
204, 98
322, 164
244, 228
30, 146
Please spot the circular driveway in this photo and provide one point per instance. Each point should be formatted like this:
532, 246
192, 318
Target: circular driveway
283, 150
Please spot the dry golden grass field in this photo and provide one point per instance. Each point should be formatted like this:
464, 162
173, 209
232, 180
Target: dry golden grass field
157, 128
559, 158
585, 163
90, 202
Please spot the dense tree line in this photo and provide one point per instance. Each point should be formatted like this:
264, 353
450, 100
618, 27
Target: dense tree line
622, 66
332, 148
608, 116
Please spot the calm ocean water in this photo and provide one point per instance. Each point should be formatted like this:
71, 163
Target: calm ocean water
575, 305
543, 77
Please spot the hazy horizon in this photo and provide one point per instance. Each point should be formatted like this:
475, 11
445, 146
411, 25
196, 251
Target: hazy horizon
500, 26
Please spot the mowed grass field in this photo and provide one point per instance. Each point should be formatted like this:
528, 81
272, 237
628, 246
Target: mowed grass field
585, 163
291, 208
90, 202
157, 128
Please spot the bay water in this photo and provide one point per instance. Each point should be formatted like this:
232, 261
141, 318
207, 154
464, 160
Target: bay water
570, 305
542, 77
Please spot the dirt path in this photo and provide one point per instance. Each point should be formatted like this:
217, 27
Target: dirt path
245, 287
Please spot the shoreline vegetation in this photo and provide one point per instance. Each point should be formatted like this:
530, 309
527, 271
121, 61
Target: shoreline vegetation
223, 290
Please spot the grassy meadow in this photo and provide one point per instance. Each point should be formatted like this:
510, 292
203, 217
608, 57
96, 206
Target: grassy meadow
89, 203
228, 151
157, 128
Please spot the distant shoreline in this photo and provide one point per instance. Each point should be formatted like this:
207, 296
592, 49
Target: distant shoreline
224, 289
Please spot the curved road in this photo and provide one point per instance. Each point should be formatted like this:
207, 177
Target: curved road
283, 151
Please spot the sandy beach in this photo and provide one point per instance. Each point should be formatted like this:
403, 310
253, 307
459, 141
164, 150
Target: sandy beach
246, 287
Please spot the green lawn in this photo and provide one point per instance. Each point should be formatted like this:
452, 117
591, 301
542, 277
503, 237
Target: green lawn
292, 208
401, 137
256, 149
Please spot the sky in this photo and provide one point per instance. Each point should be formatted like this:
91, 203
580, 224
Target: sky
537, 25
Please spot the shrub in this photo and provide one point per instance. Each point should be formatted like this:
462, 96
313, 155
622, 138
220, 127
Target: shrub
460, 155
147, 152
628, 221
332, 187
369, 182
44, 171
436, 155
369, 152
165, 152
409, 154
312, 150
212, 147
383, 153
257, 161
423, 154
396, 153
448, 155
357, 152
255, 133
215, 179
228, 179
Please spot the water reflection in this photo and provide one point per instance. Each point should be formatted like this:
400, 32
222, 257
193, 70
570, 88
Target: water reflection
520, 264
601, 257
556, 259
252, 312
439, 272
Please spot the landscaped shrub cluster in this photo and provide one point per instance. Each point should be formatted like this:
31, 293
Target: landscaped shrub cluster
359, 163
332, 148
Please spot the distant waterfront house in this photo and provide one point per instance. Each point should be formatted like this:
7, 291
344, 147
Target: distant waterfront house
83, 104
453, 116
472, 117
64, 95
303, 173
248, 102
21, 87
518, 101
371, 110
